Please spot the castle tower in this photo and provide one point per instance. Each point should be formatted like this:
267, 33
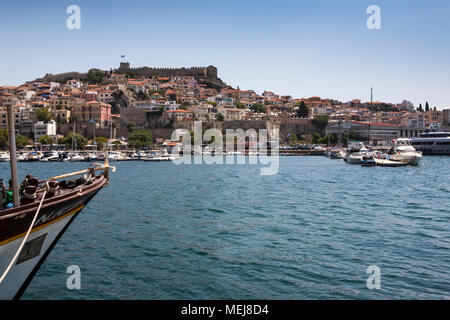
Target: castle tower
124, 66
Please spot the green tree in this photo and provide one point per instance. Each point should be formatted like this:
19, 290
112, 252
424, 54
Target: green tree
21, 141
81, 141
46, 140
427, 107
43, 114
320, 121
240, 105
292, 138
141, 95
3, 138
303, 111
328, 139
160, 111
140, 139
220, 117
258, 107
95, 76
101, 141
420, 108
315, 137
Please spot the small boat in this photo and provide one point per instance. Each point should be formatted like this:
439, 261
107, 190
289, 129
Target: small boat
50, 157
35, 155
91, 157
335, 153
368, 161
115, 156
390, 163
76, 157
354, 158
4, 157
22, 157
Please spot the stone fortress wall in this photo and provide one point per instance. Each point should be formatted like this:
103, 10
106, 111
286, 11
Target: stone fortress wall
198, 72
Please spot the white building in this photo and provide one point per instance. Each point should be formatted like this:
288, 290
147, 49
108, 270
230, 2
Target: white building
41, 129
406, 105
222, 100
154, 105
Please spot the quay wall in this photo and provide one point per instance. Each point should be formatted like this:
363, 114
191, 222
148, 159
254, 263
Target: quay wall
299, 127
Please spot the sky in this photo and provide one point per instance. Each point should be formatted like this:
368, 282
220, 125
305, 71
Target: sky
299, 48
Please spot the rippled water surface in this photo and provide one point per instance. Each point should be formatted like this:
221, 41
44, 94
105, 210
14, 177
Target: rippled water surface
162, 231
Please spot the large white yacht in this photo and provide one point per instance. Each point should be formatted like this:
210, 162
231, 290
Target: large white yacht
432, 143
403, 151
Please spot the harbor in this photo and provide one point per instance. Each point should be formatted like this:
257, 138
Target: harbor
224, 159
307, 233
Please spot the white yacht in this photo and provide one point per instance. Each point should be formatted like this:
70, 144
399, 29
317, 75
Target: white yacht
432, 143
4, 157
115, 156
356, 157
75, 157
50, 156
355, 152
35, 155
403, 151
22, 157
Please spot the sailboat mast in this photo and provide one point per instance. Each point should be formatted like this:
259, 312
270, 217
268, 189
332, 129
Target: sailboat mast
110, 137
13, 156
371, 108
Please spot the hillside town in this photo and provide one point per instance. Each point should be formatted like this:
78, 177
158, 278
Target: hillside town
115, 103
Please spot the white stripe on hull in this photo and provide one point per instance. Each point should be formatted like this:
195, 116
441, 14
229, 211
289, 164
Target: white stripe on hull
19, 272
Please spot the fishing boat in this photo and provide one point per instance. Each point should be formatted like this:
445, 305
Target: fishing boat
32, 222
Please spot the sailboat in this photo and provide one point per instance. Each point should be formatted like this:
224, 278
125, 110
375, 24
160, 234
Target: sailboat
74, 156
32, 222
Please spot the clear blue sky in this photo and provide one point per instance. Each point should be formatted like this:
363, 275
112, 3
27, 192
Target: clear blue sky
301, 48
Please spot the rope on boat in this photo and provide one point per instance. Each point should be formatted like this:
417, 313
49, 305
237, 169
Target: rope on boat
24, 239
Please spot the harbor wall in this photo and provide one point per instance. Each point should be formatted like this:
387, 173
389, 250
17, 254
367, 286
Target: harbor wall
299, 127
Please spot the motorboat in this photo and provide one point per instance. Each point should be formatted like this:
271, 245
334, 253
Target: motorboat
4, 157
76, 157
368, 161
50, 157
115, 156
35, 155
403, 151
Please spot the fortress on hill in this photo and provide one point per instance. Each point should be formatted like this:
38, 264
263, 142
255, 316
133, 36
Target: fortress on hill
198, 72
209, 73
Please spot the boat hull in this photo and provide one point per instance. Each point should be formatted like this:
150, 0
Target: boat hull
51, 223
411, 159
354, 160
